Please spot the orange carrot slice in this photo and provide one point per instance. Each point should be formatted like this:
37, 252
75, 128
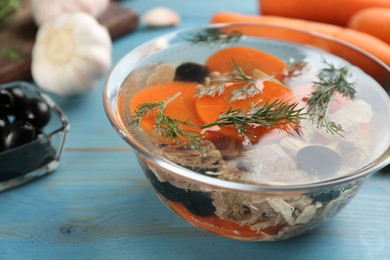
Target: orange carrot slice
247, 59
181, 108
209, 108
222, 227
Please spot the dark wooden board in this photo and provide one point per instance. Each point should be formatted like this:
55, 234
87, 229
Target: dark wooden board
19, 32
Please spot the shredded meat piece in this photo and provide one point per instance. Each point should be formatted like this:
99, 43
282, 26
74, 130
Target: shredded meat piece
295, 69
185, 156
228, 147
243, 210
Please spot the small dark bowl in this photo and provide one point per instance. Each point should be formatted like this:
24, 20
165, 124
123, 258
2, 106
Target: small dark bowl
39, 157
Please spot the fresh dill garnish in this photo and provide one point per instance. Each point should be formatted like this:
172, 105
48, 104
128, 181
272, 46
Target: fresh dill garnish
168, 128
213, 35
278, 113
7, 7
331, 80
217, 86
250, 89
11, 54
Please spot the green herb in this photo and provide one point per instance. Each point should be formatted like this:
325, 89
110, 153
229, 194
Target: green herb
250, 89
168, 128
7, 7
217, 86
11, 54
213, 35
272, 114
331, 81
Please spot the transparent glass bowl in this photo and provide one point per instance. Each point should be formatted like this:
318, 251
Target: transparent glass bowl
40, 157
282, 212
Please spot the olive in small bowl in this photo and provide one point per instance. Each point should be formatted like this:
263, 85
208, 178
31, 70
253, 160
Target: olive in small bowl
32, 134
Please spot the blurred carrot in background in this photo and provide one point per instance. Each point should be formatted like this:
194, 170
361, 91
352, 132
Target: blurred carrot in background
370, 44
327, 11
374, 21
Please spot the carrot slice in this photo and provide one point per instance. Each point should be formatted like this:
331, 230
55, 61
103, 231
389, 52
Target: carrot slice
222, 227
209, 108
181, 108
247, 59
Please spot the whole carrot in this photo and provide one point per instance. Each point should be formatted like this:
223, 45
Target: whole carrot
366, 42
327, 11
374, 21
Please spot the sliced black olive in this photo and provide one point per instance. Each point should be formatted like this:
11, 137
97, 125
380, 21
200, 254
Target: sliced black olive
318, 159
20, 99
325, 196
37, 112
166, 189
192, 72
6, 102
18, 133
199, 203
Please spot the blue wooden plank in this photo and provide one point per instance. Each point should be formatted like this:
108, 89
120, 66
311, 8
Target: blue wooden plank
98, 205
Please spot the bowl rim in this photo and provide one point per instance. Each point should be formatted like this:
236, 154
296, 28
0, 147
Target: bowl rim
140, 150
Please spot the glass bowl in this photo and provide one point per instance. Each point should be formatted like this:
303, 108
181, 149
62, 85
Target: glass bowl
39, 157
243, 211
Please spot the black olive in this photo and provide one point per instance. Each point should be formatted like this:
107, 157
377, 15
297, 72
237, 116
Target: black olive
2, 139
18, 133
325, 196
27, 158
37, 112
6, 102
20, 98
192, 72
166, 189
3, 122
318, 159
199, 203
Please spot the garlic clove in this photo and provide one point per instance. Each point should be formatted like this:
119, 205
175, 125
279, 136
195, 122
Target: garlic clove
71, 54
161, 17
47, 10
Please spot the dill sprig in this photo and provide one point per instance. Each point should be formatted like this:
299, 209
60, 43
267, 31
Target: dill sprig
11, 54
8, 7
275, 114
250, 89
331, 80
168, 128
213, 35
217, 86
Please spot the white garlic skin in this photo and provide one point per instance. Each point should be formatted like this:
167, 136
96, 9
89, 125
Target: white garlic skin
46, 10
161, 17
71, 54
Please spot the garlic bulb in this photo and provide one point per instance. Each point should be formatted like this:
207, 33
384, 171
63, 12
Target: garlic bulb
46, 10
70, 54
161, 17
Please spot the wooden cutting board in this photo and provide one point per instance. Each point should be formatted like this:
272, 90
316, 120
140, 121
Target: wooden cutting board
19, 32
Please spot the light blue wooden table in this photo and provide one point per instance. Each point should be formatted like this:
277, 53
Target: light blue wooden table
98, 205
